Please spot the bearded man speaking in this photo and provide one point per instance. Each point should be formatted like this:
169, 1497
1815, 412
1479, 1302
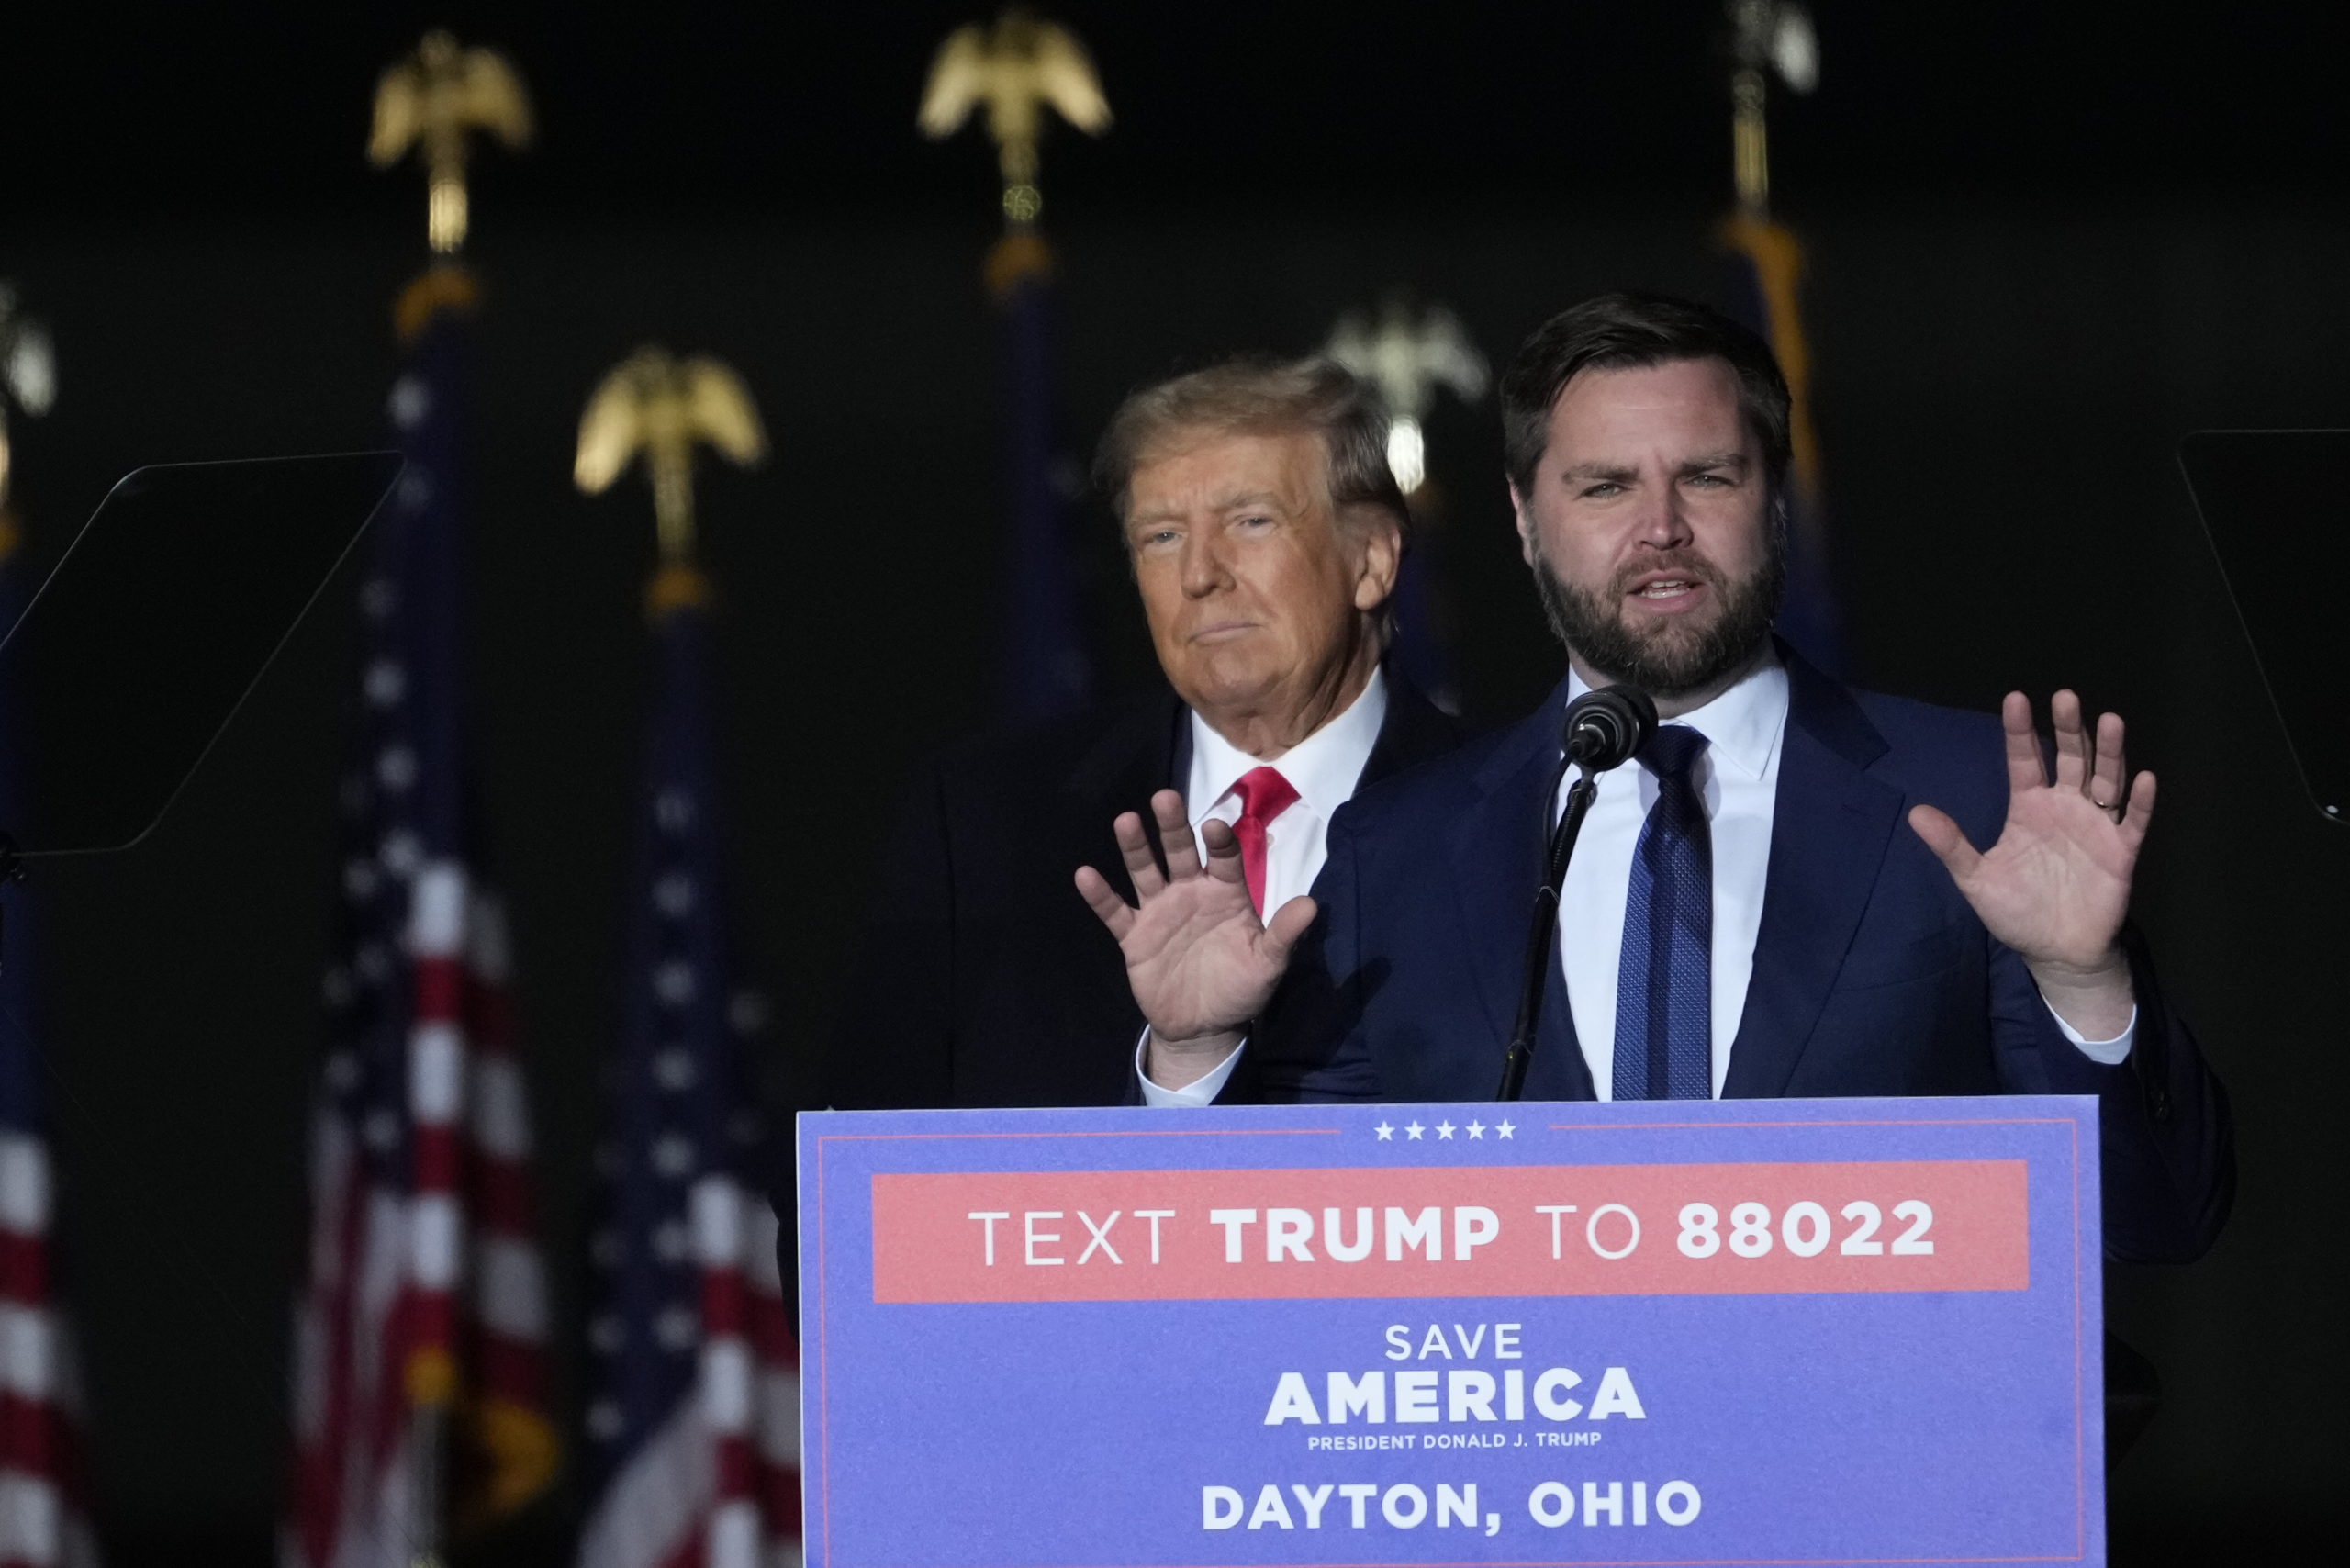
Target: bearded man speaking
1783, 898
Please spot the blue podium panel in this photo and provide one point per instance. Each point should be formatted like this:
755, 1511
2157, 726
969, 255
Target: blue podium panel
1849, 1331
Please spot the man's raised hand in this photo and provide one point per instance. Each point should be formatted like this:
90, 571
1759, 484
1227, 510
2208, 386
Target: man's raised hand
2056, 888
1201, 963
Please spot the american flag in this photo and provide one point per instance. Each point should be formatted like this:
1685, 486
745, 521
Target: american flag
693, 1416
420, 1409
43, 1508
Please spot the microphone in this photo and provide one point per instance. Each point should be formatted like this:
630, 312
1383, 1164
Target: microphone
1606, 727
1602, 730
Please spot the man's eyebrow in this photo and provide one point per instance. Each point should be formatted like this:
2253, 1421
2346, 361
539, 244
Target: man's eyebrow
1617, 473
1233, 501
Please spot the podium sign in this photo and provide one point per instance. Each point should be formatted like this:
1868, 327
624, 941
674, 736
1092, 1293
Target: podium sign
1848, 1331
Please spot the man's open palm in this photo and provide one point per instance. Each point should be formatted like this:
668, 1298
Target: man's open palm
1201, 963
2056, 888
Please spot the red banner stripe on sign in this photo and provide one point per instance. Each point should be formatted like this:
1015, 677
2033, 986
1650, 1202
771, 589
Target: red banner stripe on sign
1448, 1231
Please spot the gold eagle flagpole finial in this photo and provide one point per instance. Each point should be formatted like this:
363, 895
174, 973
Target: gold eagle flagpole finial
1407, 360
665, 407
1016, 67
1766, 37
433, 101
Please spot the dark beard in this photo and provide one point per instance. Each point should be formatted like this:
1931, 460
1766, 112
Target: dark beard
1671, 660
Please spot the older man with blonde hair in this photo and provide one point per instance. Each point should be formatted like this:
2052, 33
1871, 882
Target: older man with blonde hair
1265, 532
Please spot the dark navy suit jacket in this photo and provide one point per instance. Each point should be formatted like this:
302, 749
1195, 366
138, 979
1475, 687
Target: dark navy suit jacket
1872, 974
981, 978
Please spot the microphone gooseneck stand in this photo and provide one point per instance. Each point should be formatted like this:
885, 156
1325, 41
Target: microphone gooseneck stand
1604, 728
1544, 928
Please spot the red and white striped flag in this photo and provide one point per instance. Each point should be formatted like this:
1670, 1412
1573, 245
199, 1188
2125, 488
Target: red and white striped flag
44, 1521
420, 1410
44, 1509
693, 1415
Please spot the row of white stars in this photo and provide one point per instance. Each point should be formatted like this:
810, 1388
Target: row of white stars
1412, 1130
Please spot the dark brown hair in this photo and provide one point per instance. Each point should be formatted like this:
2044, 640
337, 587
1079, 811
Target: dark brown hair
1626, 329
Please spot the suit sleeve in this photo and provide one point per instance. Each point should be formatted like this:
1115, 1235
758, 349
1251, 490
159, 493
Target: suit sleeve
895, 1045
2166, 1140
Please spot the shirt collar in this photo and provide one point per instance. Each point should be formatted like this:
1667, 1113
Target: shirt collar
1323, 768
1743, 725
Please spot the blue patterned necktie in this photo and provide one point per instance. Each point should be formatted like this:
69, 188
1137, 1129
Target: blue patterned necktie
1664, 989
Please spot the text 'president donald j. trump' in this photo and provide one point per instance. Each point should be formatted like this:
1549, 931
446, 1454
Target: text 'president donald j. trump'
1784, 898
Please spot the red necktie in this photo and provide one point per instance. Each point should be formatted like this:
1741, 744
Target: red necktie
1264, 795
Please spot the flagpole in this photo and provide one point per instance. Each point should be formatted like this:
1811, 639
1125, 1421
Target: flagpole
431, 102
28, 387
1012, 70
688, 1369
1768, 39
419, 1032
49, 1520
1409, 356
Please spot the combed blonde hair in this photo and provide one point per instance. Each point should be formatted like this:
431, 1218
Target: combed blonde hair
1262, 396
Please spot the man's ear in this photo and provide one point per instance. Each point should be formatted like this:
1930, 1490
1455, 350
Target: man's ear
1381, 543
1525, 523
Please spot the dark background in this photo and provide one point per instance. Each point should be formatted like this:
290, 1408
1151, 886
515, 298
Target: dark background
2046, 240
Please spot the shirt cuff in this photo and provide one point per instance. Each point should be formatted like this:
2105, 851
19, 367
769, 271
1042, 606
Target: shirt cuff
2104, 1053
1201, 1091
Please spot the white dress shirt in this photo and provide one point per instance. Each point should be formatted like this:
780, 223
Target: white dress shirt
1324, 768
1737, 777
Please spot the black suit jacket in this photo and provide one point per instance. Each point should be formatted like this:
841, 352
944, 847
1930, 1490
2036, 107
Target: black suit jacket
980, 977
1872, 974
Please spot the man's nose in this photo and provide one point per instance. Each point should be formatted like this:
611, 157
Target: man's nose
1663, 524
1203, 567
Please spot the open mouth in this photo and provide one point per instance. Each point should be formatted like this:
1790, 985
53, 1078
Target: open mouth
1666, 591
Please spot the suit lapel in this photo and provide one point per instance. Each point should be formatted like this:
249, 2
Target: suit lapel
1146, 748
1558, 1071
1830, 829
1496, 859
